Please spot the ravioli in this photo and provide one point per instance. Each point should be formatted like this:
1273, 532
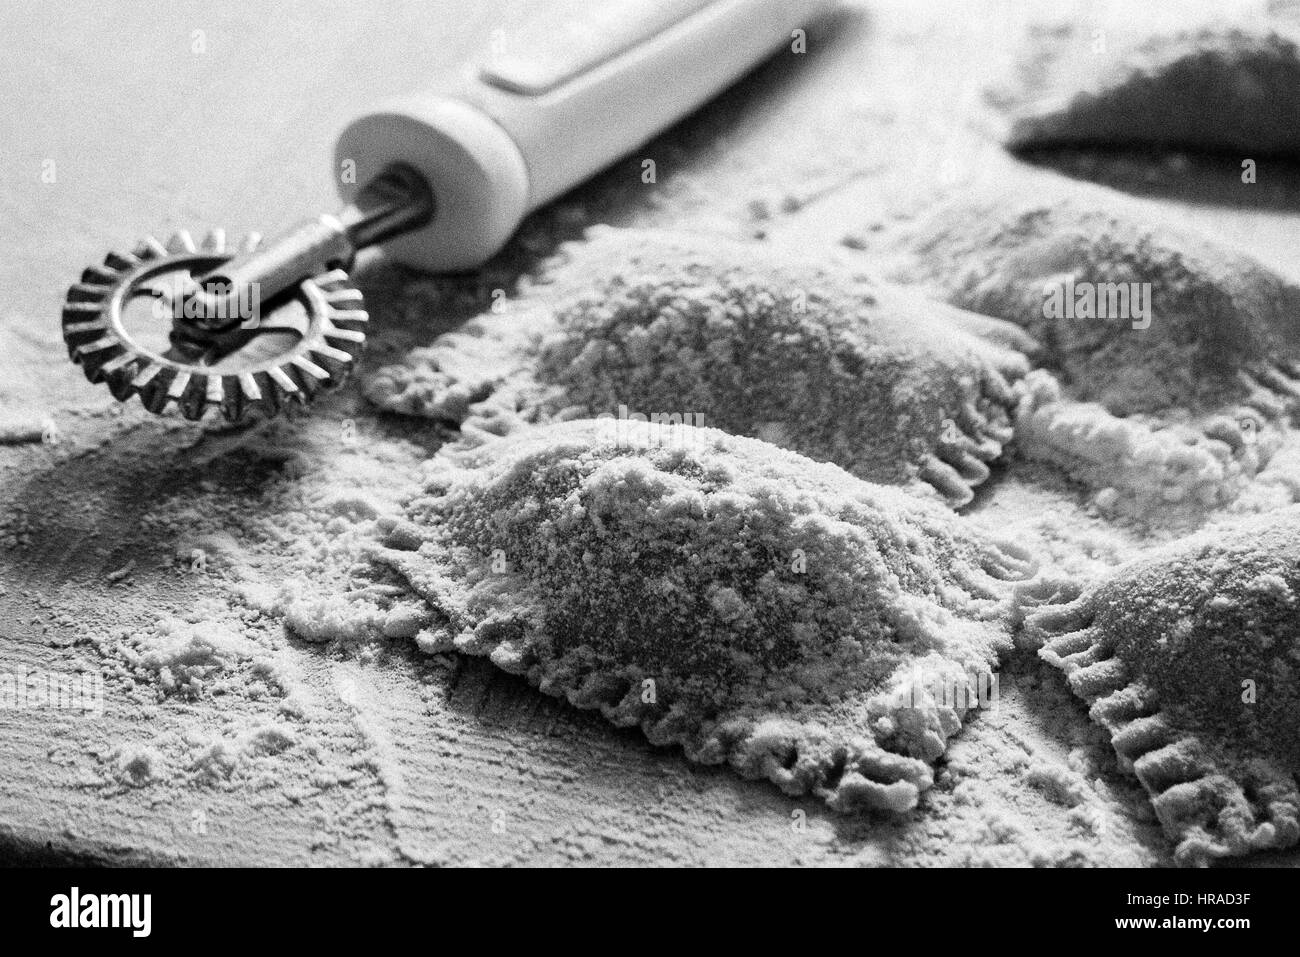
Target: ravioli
711, 331
1213, 89
1171, 363
1190, 658
751, 605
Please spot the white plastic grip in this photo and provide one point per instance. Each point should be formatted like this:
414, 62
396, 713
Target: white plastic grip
556, 100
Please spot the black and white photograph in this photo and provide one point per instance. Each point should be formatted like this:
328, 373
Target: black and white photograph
745, 434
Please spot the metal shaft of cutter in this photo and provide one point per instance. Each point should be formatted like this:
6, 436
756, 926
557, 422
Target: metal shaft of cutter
397, 200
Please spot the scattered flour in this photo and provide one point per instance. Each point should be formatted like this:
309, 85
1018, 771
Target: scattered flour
186, 658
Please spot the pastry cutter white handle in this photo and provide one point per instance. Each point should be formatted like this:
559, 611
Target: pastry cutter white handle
558, 98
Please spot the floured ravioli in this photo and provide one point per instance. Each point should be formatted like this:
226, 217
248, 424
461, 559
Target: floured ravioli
710, 331
1170, 363
1214, 88
1191, 659
751, 605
